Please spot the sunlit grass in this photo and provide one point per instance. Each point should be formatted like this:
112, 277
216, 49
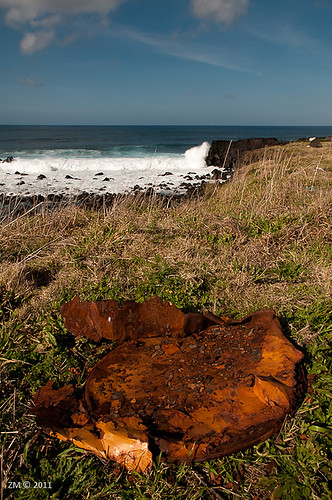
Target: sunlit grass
261, 240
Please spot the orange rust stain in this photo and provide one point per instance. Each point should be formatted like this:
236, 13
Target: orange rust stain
193, 386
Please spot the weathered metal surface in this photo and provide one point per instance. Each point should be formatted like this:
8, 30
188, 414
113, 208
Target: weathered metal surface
192, 395
107, 319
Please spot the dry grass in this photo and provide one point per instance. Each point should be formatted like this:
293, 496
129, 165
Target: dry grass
274, 213
261, 240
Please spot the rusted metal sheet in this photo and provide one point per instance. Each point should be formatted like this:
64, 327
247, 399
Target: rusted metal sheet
107, 319
193, 393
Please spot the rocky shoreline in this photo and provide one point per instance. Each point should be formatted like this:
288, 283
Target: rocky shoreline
13, 206
224, 156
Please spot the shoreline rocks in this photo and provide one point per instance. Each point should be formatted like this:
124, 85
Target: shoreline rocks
12, 206
9, 159
225, 156
228, 154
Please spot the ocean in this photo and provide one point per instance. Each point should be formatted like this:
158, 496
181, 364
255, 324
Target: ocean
72, 159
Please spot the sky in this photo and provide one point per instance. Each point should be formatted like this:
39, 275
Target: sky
167, 62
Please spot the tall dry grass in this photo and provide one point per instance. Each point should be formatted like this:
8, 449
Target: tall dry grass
274, 212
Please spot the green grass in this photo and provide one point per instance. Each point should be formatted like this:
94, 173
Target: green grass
261, 240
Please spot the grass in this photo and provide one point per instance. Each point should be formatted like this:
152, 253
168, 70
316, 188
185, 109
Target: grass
261, 240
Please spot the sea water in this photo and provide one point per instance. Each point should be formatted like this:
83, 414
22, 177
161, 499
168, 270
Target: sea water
71, 159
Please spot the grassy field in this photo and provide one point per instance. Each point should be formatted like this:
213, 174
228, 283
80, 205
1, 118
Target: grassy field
261, 240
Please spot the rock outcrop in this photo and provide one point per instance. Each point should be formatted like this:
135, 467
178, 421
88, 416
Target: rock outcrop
315, 143
228, 154
9, 159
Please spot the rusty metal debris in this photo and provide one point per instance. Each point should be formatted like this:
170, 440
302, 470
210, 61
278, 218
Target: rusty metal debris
192, 386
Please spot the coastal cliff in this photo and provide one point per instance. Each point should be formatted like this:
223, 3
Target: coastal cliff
228, 154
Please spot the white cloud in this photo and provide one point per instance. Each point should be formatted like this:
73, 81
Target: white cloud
283, 34
32, 42
180, 48
22, 11
31, 15
223, 11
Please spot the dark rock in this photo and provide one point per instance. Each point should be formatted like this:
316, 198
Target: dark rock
20, 183
202, 177
41, 177
219, 174
9, 159
188, 178
216, 174
166, 173
229, 154
55, 198
315, 143
68, 176
99, 173
95, 201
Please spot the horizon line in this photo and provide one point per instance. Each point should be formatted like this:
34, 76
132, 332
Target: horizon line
150, 125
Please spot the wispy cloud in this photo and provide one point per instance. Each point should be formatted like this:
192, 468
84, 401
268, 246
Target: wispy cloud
183, 49
221, 11
31, 82
283, 34
38, 19
34, 41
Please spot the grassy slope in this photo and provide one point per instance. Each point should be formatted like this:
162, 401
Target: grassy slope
261, 240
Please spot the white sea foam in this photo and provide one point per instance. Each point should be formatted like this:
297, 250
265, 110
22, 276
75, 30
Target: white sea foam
195, 157
119, 174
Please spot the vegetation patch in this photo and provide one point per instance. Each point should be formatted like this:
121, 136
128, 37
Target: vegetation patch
261, 240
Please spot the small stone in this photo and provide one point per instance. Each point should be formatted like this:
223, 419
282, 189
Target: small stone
41, 177
216, 174
315, 143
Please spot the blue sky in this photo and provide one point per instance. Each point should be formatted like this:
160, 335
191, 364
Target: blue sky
213, 62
